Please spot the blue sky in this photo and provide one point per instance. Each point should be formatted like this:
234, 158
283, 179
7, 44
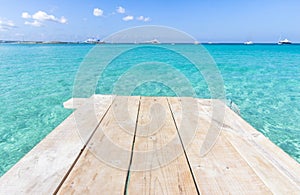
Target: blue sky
207, 20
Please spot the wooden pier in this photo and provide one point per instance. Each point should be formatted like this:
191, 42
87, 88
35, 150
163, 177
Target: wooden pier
150, 157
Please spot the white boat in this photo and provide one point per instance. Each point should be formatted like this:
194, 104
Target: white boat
93, 41
248, 43
285, 41
154, 41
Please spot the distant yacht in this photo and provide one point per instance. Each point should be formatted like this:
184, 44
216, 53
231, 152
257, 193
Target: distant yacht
248, 43
93, 41
285, 41
154, 41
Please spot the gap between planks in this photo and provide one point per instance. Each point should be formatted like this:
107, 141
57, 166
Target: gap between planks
81, 151
183, 147
162, 167
132, 147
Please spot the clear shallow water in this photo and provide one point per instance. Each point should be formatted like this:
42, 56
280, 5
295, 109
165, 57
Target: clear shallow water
34, 81
263, 80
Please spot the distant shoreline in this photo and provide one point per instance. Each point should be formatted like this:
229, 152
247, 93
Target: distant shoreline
85, 43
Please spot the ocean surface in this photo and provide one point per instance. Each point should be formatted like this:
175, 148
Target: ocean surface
35, 80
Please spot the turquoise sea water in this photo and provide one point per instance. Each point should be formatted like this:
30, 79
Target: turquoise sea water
263, 80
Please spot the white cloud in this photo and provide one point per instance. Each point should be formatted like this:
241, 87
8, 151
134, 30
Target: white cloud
26, 15
128, 18
142, 18
34, 23
6, 24
41, 16
98, 12
120, 10
147, 19
63, 20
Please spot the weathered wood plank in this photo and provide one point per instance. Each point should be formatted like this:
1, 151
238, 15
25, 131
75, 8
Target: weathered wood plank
74, 103
242, 161
158, 165
44, 167
282, 160
222, 170
102, 168
275, 168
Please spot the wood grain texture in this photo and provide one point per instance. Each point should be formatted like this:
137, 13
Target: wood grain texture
159, 139
159, 165
222, 170
102, 168
275, 168
44, 167
264, 147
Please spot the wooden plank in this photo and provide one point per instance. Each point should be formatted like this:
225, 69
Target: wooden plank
243, 161
236, 125
74, 103
275, 168
279, 158
222, 170
158, 165
44, 167
102, 168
